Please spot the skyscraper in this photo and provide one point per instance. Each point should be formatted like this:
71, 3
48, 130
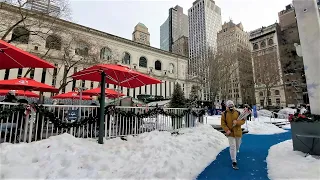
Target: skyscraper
173, 28
204, 25
235, 65
44, 6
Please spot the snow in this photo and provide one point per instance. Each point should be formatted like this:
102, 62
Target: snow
257, 126
287, 126
261, 128
284, 163
154, 155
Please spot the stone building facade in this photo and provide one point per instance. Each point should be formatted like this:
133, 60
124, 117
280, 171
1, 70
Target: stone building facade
268, 76
234, 46
69, 43
141, 34
292, 65
180, 46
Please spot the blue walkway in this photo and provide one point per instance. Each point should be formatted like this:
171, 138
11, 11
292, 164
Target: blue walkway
251, 160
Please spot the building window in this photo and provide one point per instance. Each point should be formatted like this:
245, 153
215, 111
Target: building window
20, 34
255, 46
143, 62
82, 50
171, 68
126, 58
270, 42
277, 92
261, 102
19, 73
269, 93
260, 93
278, 101
105, 53
263, 44
157, 65
53, 42
269, 102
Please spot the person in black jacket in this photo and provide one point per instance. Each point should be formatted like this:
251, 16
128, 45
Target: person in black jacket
223, 106
248, 107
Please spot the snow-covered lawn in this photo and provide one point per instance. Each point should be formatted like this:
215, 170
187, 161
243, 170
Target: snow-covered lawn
257, 126
284, 163
154, 155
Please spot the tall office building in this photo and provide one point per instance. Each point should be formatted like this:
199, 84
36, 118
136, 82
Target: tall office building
173, 28
44, 6
292, 65
234, 50
204, 25
267, 69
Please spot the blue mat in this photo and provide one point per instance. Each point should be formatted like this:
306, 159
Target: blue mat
251, 159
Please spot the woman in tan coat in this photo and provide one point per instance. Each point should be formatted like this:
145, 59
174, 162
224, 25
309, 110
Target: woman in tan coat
233, 130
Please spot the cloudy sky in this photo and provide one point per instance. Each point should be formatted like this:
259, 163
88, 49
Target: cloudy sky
119, 17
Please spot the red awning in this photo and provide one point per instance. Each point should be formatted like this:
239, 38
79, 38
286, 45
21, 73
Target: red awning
13, 57
19, 93
116, 74
71, 95
26, 84
96, 91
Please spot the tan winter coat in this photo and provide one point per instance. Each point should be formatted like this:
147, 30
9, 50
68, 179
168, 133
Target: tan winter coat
227, 123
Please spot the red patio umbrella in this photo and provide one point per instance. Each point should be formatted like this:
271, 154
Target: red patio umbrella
71, 95
116, 74
26, 84
113, 74
13, 57
96, 91
19, 93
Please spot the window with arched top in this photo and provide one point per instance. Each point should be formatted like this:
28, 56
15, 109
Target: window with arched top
157, 65
105, 53
255, 46
263, 44
260, 93
21, 35
270, 42
277, 92
53, 42
126, 58
82, 49
171, 68
143, 62
269, 93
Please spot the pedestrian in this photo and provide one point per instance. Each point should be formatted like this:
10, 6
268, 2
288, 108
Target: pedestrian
223, 106
233, 130
249, 108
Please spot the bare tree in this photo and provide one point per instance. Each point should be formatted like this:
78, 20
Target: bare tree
76, 52
267, 72
222, 69
28, 22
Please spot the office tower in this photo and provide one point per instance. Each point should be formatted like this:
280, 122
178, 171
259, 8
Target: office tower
173, 28
204, 25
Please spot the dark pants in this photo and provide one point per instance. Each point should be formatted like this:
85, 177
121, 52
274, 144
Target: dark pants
249, 117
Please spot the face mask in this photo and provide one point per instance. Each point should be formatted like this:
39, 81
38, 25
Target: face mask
231, 108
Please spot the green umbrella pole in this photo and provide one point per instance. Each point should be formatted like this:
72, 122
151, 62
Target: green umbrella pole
102, 104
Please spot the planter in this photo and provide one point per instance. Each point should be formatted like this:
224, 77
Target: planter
305, 128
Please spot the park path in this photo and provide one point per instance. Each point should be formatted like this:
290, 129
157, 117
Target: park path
251, 159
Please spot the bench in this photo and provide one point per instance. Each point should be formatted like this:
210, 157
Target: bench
314, 137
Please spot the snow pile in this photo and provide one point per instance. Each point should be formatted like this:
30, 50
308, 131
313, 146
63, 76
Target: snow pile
154, 155
255, 127
284, 113
287, 126
284, 163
